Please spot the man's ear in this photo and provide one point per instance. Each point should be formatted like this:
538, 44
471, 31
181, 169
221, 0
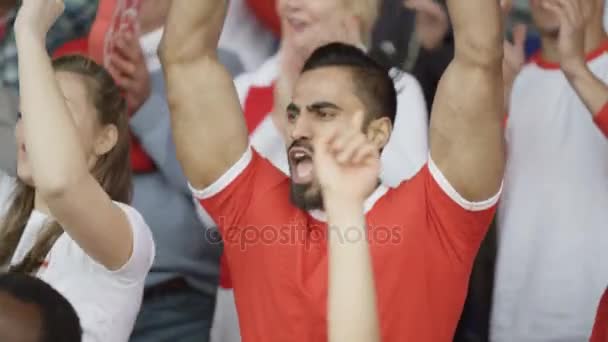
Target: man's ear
106, 140
379, 131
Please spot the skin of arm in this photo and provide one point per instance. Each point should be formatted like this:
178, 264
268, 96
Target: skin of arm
207, 121
352, 296
466, 136
59, 168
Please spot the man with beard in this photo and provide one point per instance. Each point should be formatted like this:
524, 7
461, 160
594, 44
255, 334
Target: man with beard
423, 234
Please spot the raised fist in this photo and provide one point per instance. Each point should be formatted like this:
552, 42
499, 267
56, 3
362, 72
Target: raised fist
37, 16
346, 163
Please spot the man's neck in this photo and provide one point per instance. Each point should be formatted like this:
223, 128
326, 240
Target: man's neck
594, 36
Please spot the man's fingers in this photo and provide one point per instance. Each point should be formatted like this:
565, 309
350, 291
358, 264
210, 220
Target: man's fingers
341, 140
344, 155
323, 140
364, 154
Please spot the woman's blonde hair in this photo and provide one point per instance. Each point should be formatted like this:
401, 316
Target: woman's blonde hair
367, 11
112, 170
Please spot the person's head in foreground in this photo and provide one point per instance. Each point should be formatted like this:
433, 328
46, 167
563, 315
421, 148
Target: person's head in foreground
545, 14
32, 311
337, 81
99, 114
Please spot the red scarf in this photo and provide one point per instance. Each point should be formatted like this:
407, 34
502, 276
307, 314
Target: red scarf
140, 160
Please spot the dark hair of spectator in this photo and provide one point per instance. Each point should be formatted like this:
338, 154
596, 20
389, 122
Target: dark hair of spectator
373, 84
60, 323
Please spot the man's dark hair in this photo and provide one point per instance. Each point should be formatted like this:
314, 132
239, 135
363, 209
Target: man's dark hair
60, 323
372, 82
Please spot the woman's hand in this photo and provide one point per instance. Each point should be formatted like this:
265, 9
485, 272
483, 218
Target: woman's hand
37, 16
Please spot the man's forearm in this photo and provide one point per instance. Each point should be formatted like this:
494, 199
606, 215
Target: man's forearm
352, 297
469, 106
192, 30
479, 37
591, 90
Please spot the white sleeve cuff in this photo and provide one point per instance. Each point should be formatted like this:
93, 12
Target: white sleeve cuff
226, 179
449, 190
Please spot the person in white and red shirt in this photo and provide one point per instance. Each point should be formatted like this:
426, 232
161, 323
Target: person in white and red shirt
435, 220
306, 25
552, 263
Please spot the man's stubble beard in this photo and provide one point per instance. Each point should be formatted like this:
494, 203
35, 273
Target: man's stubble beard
301, 199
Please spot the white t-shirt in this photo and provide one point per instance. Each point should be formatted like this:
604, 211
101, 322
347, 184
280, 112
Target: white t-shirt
552, 265
107, 302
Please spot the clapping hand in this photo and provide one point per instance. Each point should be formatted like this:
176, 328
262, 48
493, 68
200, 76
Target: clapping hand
571, 39
128, 67
432, 22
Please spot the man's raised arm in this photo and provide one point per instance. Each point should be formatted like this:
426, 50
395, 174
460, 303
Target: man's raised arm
208, 126
466, 135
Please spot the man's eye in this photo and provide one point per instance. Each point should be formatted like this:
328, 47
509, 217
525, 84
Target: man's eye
18, 115
324, 115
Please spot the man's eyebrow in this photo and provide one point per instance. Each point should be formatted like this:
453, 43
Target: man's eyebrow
317, 106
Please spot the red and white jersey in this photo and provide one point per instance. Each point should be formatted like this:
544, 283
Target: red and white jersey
552, 263
404, 155
423, 238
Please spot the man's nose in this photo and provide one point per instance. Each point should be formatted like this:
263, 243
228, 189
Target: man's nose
301, 128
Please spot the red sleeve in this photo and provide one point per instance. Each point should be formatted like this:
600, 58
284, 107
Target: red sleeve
601, 119
460, 224
266, 12
600, 329
229, 199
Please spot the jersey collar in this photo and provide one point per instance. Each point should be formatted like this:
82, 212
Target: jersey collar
380, 191
545, 64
